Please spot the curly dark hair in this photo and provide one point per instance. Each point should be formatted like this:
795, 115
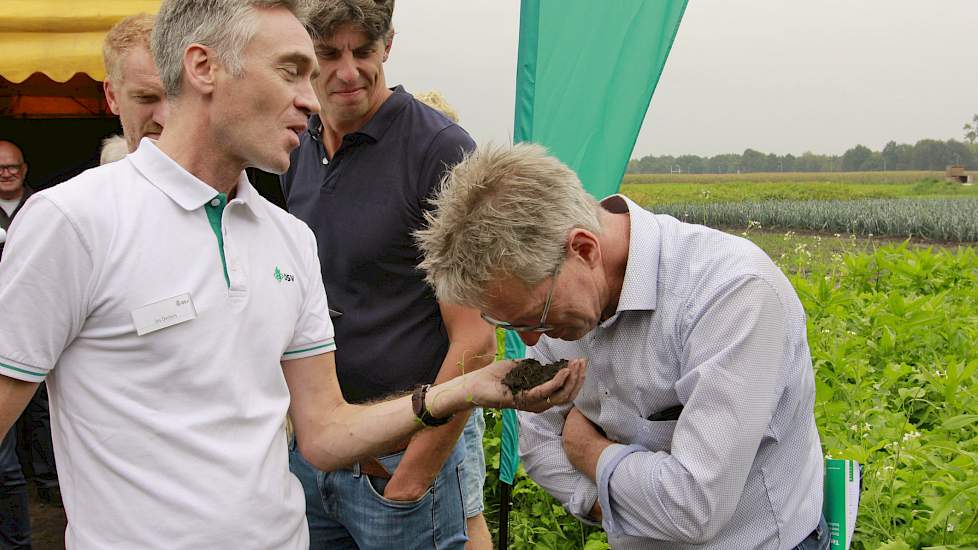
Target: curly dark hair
373, 16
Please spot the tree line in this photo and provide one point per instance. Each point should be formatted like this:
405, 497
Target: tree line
926, 154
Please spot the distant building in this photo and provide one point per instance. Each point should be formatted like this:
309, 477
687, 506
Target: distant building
956, 173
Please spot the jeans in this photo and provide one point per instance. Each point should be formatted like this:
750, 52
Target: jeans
474, 464
346, 510
818, 540
15, 523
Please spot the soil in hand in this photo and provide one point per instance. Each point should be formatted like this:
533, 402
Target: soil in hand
529, 373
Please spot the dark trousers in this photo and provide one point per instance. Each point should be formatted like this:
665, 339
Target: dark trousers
15, 523
34, 446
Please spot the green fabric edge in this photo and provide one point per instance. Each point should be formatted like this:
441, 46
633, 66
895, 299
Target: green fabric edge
526, 70
214, 214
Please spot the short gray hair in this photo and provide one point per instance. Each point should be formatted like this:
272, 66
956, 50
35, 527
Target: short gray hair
372, 16
225, 25
502, 211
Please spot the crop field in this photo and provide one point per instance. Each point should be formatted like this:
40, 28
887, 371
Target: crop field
932, 219
893, 328
903, 176
893, 204
655, 195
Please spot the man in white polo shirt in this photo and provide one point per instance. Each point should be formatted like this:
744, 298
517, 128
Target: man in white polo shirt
174, 312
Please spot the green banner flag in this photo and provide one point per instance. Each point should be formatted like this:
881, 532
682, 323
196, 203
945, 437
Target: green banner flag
586, 71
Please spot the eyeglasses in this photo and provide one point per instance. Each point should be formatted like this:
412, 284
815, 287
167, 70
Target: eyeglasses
542, 326
14, 169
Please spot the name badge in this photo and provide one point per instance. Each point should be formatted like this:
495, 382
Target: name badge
164, 313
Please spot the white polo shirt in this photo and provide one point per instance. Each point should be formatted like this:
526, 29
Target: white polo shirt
173, 439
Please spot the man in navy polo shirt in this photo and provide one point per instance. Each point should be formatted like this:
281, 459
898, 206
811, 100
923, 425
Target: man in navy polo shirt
361, 179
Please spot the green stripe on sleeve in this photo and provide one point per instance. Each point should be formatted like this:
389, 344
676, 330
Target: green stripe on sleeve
22, 371
328, 344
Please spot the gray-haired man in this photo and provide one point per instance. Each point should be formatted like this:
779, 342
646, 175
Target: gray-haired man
178, 315
694, 428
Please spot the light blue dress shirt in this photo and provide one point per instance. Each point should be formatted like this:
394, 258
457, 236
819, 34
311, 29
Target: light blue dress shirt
707, 321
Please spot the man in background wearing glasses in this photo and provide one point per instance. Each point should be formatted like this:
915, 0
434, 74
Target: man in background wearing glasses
15, 527
695, 425
13, 194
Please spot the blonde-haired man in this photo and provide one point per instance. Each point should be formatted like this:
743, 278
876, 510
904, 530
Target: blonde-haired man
132, 84
695, 425
178, 315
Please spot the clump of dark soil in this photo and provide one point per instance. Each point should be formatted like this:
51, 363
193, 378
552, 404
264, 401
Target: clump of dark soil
529, 373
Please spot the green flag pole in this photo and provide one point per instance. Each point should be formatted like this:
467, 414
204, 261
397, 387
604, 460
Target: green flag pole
585, 75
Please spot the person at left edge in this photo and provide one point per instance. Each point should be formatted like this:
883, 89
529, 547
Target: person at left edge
15, 525
177, 315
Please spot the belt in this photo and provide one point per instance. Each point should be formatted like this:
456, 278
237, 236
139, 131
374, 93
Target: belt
371, 468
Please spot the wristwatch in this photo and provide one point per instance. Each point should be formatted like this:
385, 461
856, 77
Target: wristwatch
421, 410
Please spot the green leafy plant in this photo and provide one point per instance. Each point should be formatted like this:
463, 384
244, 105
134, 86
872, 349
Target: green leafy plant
893, 333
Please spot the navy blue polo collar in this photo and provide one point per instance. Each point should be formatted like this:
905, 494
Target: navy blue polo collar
377, 126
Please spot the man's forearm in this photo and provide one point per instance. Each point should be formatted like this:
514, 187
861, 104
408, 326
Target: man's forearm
428, 450
332, 434
546, 462
350, 432
347, 433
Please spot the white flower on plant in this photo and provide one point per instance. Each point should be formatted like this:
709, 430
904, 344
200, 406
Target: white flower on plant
910, 436
940, 373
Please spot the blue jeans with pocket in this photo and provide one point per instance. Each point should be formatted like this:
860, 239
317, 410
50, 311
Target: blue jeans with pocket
818, 540
15, 523
346, 509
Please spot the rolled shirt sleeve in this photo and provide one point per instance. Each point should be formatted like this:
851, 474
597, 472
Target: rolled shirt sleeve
542, 453
735, 344
45, 288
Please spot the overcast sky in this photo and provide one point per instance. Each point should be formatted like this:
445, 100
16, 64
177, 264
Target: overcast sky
781, 76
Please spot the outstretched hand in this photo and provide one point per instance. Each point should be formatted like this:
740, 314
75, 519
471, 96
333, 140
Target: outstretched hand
487, 388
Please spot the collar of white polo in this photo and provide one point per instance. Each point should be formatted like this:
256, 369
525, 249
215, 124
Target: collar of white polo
181, 186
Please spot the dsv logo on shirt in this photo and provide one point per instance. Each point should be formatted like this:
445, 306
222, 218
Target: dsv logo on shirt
287, 277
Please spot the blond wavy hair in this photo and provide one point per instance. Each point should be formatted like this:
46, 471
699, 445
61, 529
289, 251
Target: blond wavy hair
504, 211
436, 101
113, 148
132, 32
